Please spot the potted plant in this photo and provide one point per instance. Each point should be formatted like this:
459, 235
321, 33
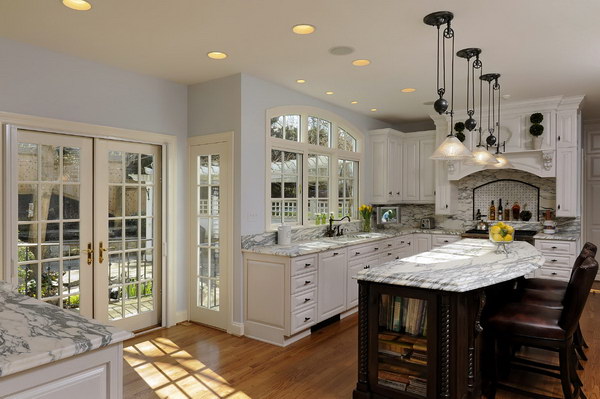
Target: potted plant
459, 127
536, 130
365, 213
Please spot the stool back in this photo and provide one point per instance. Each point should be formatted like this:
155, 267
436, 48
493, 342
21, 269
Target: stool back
577, 294
589, 250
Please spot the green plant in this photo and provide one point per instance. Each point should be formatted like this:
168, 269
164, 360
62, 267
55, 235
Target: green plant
536, 118
536, 130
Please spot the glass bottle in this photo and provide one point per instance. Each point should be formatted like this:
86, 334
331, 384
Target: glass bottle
492, 212
516, 211
500, 210
507, 212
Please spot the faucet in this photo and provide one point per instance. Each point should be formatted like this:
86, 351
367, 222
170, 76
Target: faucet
333, 231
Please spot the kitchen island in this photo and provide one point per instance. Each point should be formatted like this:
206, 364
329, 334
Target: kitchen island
419, 318
48, 352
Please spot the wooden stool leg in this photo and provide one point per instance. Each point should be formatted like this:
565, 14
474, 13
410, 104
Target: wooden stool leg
580, 338
565, 370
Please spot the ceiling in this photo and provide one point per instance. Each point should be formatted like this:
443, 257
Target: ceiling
541, 47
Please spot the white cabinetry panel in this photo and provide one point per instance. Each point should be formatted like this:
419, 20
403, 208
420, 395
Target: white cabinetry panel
332, 283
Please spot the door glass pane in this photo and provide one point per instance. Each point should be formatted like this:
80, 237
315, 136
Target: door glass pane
50, 157
115, 201
115, 269
115, 167
132, 201
28, 162
71, 201
71, 164
27, 202
147, 165
49, 201
132, 167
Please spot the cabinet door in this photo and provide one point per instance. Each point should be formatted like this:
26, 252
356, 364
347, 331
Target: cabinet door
352, 286
410, 170
567, 190
426, 170
566, 129
422, 243
379, 169
395, 177
331, 291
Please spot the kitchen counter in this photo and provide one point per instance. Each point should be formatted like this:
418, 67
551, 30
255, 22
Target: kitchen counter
34, 333
328, 243
461, 266
560, 236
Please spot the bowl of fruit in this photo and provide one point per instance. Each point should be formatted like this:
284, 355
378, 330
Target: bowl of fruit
501, 234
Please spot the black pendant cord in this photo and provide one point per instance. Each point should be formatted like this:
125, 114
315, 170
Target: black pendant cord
438, 61
480, 104
450, 34
468, 85
489, 108
497, 88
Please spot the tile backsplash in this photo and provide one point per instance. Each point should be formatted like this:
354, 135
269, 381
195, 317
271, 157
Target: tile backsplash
508, 191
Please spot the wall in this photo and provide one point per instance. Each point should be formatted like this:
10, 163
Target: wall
36, 81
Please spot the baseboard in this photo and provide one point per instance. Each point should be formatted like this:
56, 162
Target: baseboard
236, 329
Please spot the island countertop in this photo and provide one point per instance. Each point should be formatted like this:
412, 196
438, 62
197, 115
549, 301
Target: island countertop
461, 266
34, 333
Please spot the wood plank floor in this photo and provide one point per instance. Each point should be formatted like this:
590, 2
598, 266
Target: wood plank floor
191, 361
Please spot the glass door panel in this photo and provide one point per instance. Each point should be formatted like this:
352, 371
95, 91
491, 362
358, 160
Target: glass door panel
54, 197
210, 180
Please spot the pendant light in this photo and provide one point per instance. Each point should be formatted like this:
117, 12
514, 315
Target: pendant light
467, 54
451, 148
494, 123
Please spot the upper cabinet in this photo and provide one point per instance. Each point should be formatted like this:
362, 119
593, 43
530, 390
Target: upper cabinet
400, 167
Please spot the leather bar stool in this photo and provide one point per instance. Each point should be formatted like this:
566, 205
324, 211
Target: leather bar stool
550, 293
545, 328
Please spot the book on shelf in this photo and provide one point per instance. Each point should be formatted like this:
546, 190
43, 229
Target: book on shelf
403, 315
417, 385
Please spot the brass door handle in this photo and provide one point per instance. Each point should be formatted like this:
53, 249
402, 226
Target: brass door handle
101, 251
90, 253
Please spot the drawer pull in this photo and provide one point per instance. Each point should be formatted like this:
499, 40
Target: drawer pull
306, 319
389, 245
357, 253
389, 254
307, 282
445, 240
367, 267
553, 260
376, 248
397, 257
401, 242
336, 253
554, 273
409, 243
553, 247
307, 264
306, 300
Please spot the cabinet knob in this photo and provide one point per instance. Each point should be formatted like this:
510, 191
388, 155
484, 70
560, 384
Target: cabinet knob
553, 247
558, 138
367, 267
446, 206
389, 254
398, 193
357, 253
336, 253
445, 240
390, 193
554, 273
401, 242
306, 319
389, 245
307, 265
558, 206
409, 243
307, 282
553, 260
376, 248
397, 257
306, 299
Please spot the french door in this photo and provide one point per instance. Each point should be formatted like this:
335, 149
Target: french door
212, 210
88, 226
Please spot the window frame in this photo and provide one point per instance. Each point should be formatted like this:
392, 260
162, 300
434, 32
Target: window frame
305, 148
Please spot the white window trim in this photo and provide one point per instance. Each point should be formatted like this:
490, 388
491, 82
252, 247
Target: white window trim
305, 148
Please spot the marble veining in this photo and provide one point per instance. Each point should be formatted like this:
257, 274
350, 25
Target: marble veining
34, 333
461, 266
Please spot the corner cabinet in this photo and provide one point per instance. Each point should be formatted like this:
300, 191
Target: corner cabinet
400, 166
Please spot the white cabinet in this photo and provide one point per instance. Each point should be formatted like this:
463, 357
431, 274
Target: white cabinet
395, 178
386, 166
421, 242
354, 267
559, 256
410, 170
331, 287
426, 170
567, 182
438, 240
567, 123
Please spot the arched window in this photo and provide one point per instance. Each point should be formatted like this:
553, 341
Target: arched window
314, 169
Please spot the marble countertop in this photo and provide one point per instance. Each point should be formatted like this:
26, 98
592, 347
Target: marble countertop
559, 236
461, 266
329, 243
34, 333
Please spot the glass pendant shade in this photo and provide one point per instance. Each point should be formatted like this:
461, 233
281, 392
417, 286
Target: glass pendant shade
503, 163
451, 150
481, 156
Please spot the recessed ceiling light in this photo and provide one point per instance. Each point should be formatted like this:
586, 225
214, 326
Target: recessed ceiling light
408, 90
354, 102
217, 55
303, 29
79, 5
361, 62
373, 109
341, 50
329, 93
300, 81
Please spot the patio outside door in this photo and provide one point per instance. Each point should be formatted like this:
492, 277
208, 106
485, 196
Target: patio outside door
88, 226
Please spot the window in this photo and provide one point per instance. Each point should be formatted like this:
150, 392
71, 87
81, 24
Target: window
314, 168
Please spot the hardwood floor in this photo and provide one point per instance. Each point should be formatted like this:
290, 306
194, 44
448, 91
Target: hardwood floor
191, 361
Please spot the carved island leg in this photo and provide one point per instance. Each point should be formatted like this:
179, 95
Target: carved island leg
445, 348
362, 387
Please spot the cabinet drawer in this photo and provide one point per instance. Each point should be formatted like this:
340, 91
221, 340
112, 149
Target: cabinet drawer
390, 244
438, 241
365, 250
304, 265
556, 247
560, 261
303, 319
554, 273
304, 282
303, 299
389, 256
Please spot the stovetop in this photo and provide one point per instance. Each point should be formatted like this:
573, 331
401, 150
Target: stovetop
518, 233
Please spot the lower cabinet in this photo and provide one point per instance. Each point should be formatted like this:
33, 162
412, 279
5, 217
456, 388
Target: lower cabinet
443, 239
331, 287
422, 243
559, 255
354, 267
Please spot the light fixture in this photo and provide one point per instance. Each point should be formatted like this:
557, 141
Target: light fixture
373, 109
467, 54
217, 55
493, 138
79, 5
502, 163
408, 90
354, 102
329, 93
303, 29
451, 148
361, 63
300, 81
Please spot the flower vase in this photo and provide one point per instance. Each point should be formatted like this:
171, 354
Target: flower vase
537, 142
366, 225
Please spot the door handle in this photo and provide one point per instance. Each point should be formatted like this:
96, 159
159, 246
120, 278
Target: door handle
90, 253
101, 251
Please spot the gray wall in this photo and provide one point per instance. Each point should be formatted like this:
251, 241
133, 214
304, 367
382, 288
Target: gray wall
36, 81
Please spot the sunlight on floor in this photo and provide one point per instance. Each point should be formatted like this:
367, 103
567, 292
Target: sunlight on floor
174, 373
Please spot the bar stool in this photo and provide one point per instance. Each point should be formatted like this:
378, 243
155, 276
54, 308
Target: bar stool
545, 328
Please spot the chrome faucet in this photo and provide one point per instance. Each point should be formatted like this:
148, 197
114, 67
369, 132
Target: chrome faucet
335, 231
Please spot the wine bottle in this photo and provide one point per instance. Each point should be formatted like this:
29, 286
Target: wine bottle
507, 212
500, 210
492, 212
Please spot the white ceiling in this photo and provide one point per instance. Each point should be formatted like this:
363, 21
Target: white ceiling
541, 47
